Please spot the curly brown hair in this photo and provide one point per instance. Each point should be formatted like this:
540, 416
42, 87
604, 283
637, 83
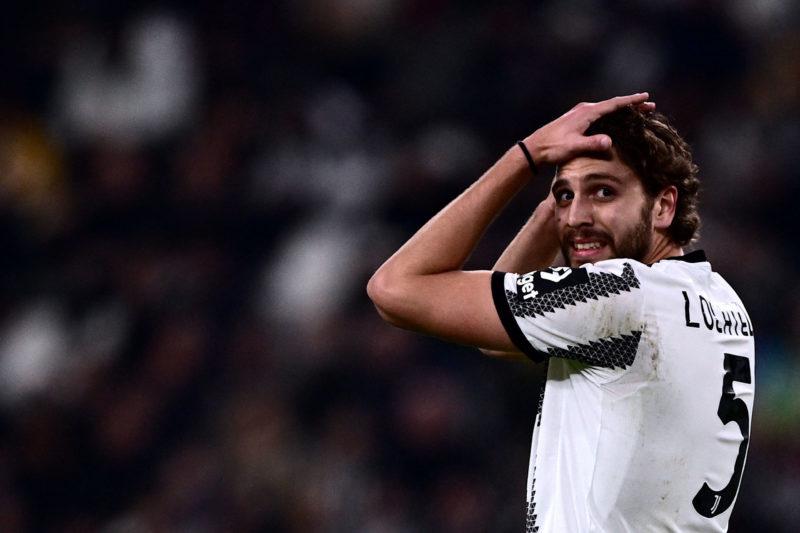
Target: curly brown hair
647, 143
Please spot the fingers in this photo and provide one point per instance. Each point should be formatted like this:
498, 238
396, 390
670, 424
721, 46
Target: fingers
618, 102
565, 137
590, 112
648, 107
604, 107
596, 143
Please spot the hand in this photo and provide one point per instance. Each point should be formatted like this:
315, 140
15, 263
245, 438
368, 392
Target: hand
564, 139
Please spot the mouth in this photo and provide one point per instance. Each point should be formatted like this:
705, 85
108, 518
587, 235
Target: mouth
580, 246
587, 249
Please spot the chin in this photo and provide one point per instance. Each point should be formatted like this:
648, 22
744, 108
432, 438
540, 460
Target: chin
576, 263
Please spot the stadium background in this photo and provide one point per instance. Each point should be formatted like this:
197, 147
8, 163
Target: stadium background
193, 196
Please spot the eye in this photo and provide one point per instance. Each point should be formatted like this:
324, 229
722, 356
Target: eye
563, 196
605, 192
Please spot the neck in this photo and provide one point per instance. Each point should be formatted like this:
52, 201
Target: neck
661, 248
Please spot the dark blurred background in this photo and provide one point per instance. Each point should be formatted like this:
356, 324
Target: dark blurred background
193, 195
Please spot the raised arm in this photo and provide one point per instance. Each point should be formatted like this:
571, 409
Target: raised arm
422, 287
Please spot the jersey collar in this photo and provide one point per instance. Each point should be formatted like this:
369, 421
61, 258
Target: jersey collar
697, 256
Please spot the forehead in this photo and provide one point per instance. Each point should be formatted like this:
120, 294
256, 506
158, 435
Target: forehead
588, 168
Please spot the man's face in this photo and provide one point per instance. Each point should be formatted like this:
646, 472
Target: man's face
601, 210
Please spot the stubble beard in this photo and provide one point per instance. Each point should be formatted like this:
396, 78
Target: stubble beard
633, 244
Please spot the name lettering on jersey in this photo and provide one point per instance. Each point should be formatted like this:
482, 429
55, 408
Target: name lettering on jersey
725, 318
543, 281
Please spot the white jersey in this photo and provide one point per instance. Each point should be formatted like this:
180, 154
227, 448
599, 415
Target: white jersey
645, 417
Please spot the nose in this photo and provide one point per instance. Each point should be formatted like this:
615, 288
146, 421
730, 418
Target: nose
580, 212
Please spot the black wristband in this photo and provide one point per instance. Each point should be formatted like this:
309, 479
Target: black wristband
528, 157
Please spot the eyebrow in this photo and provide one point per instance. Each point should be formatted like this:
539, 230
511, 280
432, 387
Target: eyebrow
594, 176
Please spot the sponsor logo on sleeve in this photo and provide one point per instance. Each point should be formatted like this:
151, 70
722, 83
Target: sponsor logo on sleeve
541, 282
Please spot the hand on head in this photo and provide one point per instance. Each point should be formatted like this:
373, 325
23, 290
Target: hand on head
564, 138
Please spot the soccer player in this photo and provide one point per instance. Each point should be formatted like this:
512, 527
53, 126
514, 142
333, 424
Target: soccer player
645, 416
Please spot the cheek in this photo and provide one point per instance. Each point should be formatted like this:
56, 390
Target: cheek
608, 216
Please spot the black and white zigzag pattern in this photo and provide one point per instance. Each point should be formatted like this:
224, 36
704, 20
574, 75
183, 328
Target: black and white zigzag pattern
599, 284
530, 511
541, 398
614, 352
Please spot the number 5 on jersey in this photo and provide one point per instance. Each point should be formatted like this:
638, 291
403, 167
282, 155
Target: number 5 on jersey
707, 501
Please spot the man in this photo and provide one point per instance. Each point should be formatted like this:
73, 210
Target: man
650, 353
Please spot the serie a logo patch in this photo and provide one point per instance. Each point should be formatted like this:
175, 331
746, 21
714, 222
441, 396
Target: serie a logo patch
541, 282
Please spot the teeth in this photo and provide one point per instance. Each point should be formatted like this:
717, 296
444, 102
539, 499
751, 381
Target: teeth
587, 246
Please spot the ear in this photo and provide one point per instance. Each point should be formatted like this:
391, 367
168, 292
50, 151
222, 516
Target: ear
664, 207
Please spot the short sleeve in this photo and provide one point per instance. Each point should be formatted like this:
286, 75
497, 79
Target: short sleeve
591, 314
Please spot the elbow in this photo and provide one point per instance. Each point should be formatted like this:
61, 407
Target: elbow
379, 290
375, 289
400, 299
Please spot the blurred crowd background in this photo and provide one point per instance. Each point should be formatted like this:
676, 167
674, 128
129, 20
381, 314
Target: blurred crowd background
194, 194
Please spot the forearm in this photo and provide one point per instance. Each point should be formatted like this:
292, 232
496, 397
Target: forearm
445, 242
401, 287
